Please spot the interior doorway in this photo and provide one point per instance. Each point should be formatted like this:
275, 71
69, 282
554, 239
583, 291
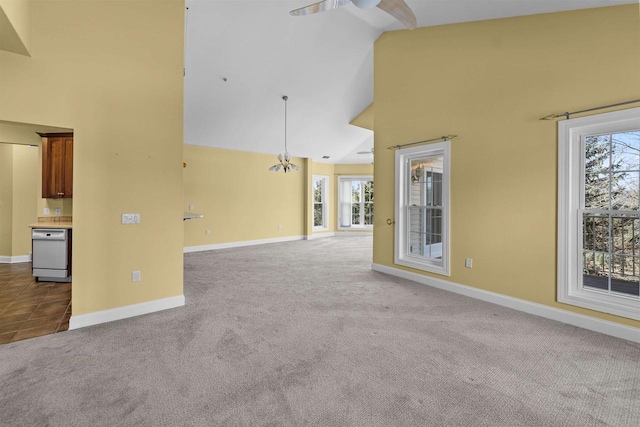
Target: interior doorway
28, 307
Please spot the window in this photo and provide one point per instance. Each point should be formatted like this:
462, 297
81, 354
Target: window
320, 201
422, 207
356, 202
598, 212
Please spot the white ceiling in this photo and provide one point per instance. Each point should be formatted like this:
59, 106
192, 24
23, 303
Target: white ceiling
322, 62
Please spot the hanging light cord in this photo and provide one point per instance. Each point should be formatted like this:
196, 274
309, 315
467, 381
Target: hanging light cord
284, 160
285, 98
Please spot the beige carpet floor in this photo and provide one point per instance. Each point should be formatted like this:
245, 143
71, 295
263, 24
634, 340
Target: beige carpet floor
305, 334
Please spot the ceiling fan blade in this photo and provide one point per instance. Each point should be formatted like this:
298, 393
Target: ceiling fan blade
275, 168
319, 7
399, 10
294, 167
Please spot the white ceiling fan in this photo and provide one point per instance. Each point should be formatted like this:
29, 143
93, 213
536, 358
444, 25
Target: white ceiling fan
396, 8
367, 152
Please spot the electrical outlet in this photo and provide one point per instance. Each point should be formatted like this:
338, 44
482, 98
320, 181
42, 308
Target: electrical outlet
47, 211
58, 212
468, 262
136, 276
208, 232
279, 226
190, 207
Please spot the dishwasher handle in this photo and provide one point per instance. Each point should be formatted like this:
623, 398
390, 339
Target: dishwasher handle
49, 234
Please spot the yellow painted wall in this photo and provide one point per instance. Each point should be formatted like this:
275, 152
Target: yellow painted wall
239, 197
6, 199
354, 169
17, 198
25, 195
489, 82
242, 201
15, 31
112, 71
23, 133
365, 118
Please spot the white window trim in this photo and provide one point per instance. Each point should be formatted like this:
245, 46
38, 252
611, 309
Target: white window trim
339, 204
570, 187
401, 256
325, 202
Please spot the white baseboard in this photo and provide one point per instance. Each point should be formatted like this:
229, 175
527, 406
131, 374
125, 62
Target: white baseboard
89, 319
188, 249
319, 235
598, 325
14, 259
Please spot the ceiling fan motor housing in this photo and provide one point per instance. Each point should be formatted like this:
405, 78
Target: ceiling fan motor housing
365, 4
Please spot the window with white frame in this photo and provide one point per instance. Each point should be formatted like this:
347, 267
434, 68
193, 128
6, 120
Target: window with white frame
598, 212
422, 207
320, 201
356, 202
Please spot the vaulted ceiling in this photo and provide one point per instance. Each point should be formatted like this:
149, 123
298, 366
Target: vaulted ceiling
241, 57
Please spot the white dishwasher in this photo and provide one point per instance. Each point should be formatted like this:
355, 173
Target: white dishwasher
51, 254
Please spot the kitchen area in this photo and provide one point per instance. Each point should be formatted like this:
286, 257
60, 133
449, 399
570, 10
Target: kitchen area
36, 230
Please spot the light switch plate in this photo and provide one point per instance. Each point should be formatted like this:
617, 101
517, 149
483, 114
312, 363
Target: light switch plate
131, 218
58, 212
47, 211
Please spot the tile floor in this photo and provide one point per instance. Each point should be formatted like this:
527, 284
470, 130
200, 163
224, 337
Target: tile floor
29, 308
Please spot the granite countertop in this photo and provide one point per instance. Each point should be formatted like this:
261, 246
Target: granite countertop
56, 224
53, 222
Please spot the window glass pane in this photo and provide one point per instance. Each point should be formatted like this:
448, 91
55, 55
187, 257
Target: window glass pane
425, 229
624, 230
437, 189
626, 151
597, 159
426, 181
368, 214
415, 194
624, 274
595, 232
317, 215
318, 190
355, 191
596, 270
355, 214
417, 243
368, 191
416, 223
596, 191
624, 190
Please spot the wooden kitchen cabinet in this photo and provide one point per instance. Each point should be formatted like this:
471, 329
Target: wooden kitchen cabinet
57, 165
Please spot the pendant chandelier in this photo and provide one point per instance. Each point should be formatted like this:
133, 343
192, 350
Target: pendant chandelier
284, 159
